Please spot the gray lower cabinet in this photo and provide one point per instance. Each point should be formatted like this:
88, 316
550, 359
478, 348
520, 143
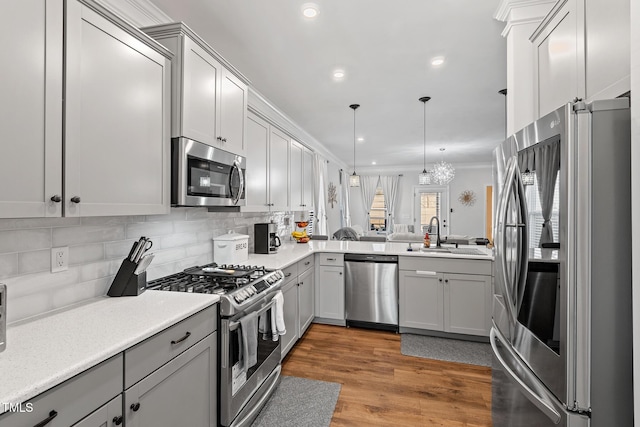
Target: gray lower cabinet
70, 402
180, 393
108, 415
329, 304
299, 307
445, 295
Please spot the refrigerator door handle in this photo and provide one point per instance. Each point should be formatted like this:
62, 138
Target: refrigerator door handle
541, 398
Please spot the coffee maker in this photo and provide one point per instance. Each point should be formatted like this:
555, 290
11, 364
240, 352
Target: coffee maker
266, 238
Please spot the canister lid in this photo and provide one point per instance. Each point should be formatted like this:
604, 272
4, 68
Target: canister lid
230, 236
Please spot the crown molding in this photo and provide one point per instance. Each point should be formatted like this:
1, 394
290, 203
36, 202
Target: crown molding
140, 13
506, 9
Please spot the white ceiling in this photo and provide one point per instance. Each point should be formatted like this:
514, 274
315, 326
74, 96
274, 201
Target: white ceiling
385, 47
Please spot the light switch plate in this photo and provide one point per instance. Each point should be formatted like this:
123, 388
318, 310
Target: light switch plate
59, 259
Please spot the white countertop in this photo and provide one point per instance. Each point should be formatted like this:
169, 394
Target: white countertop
46, 351
289, 253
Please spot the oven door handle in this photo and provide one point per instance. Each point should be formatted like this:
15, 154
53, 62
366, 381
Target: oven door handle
235, 325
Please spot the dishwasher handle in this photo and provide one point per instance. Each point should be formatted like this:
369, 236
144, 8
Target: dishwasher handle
393, 259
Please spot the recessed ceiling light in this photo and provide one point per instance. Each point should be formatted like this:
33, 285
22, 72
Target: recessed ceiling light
373, 163
339, 74
437, 61
310, 10
360, 139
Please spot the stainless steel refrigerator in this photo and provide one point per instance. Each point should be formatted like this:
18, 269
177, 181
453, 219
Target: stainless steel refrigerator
561, 335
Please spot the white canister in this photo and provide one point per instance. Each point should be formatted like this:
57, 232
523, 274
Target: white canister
231, 248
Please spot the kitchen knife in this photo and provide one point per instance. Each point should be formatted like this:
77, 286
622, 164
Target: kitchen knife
138, 245
133, 250
144, 263
142, 249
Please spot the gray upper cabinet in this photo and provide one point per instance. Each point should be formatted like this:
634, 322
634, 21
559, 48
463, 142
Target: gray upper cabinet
31, 111
301, 186
116, 95
210, 95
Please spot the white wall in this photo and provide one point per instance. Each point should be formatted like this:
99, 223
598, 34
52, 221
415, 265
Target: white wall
464, 220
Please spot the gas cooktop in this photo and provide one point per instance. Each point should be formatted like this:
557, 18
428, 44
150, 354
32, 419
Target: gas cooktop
237, 285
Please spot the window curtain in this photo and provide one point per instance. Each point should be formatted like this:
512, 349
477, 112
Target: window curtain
368, 185
547, 164
320, 198
345, 212
390, 186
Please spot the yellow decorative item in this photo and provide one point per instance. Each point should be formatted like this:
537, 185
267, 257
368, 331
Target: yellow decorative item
467, 198
301, 235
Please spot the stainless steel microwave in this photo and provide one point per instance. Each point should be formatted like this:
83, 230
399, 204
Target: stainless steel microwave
202, 175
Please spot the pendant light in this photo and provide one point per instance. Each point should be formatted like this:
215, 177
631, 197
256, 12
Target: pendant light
443, 172
354, 180
424, 177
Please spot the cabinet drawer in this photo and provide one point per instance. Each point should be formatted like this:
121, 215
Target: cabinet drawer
144, 358
331, 259
72, 400
305, 264
446, 265
290, 273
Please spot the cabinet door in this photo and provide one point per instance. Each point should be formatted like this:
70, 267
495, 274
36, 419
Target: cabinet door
329, 302
180, 393
117, 122
257, 176
107, 416
31, 108
232, 111
200, 74
278, 170
421, 299
559, 57
307, 179
467, 304
306, 292
290, 293
297, 163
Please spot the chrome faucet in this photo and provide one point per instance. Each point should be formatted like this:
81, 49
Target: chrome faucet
438, 241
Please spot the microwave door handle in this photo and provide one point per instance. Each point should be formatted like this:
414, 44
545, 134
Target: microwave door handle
236, 167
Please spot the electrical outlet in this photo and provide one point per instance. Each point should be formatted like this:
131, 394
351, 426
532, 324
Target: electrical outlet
59, 259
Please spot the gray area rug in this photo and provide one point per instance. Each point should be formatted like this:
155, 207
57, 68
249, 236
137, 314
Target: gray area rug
299, 402
450, 350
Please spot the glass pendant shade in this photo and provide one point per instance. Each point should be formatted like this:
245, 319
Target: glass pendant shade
424, 178
354, 180
527, 177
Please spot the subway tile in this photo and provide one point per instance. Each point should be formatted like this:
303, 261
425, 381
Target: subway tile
200, 249
118, 249
188, 226
77, 292
36, 283
175, 214
25, 240
97, 270
149, 229
196, 213
169, 255
28, 223
82, 254
8, 265
34, 262
87, 234
206, 236
174, 240
111, 220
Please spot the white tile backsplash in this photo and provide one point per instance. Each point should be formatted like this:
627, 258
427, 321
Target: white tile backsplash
97, 246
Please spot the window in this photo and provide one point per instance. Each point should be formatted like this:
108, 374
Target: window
430, 201
535, 213
378, 212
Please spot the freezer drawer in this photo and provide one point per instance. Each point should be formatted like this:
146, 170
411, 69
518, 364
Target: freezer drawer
371, 289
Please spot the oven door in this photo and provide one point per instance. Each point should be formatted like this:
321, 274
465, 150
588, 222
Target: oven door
244, 391
203, 175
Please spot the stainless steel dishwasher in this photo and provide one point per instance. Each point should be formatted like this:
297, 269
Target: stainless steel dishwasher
371, 291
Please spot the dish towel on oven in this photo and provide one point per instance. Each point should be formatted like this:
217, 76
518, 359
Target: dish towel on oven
277, 316
249, 331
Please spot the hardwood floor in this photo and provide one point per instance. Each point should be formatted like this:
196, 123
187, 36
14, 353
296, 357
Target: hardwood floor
382, 387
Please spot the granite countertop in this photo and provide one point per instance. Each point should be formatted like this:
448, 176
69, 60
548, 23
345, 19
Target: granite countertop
45, 351
290, 253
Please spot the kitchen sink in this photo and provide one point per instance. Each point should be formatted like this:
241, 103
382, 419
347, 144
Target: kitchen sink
436, 250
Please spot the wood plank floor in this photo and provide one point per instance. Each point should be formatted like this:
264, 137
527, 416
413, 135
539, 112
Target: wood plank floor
382, 387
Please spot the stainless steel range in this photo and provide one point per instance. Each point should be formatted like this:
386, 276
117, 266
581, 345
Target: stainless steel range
247, 307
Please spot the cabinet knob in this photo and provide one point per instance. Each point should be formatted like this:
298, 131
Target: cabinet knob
135, 406
340, 273
446, 280
117, 420
440, 280
56, 198
224, 139
75, 199
219, 138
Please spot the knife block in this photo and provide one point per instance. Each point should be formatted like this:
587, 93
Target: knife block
126, 282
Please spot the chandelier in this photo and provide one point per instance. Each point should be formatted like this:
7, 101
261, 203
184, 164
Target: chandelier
354, 180
442, 172
424, 177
